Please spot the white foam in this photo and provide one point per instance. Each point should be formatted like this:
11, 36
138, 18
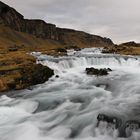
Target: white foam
56, 109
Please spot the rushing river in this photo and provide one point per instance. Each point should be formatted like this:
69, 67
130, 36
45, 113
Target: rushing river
66, 107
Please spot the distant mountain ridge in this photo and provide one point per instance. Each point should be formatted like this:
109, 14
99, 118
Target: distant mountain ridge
130, 44
11, 18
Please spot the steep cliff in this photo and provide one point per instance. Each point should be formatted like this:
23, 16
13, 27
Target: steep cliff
10, 17
81, 39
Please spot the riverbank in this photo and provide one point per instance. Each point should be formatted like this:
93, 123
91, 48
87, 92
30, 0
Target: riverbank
19, 70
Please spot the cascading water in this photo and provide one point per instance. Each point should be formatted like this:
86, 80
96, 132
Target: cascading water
66, 107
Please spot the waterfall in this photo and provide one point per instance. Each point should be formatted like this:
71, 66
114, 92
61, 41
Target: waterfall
63, 63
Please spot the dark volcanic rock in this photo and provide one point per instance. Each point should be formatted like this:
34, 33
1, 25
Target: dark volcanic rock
29, 75
36, 74
63, 50
98, 72
57, 76
21, 71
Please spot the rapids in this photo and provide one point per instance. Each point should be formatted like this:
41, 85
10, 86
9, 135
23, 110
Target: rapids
66, 107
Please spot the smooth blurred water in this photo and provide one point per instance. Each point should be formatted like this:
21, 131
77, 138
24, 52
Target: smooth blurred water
66, 107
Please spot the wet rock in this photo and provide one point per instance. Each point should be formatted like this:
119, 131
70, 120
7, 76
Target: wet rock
124, 129
98, 72
58, 52
61, 50
74, 47
112, 121
57, 76
109, 69
131, 126
24, 77
37, 74
104, 86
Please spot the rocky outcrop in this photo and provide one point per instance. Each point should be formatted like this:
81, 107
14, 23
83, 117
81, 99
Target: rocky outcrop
10, 17
112, 121
125, 128
69, 37
29, 75
97, 72
35, 74
41, 29
122, 49
19, 71
127, 48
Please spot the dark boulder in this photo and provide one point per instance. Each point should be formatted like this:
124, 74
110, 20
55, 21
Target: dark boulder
131, 126
113, 122
98, 72
57, 76
61, 50
25, 77
36, 74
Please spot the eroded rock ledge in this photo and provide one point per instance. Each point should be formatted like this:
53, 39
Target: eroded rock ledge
19, 71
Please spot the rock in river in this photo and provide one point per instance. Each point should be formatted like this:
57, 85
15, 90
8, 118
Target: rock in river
98, 72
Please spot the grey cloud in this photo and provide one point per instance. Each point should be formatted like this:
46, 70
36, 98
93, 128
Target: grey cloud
117, 19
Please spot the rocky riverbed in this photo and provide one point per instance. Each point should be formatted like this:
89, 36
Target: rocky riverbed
72, 105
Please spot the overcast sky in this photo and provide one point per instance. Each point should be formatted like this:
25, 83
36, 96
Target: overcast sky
116, 19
